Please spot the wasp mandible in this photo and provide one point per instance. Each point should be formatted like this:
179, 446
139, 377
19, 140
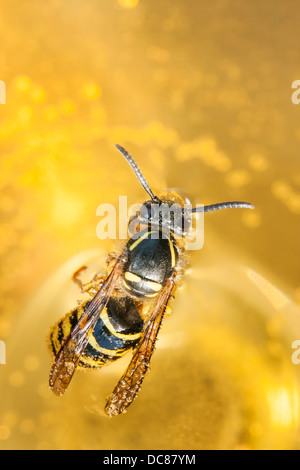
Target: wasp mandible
128, 304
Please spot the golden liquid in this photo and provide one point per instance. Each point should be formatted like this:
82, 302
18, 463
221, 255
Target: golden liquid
200, 94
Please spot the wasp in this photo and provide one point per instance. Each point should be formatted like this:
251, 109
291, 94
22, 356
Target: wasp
128, 304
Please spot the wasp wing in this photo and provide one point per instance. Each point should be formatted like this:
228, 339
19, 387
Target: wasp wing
130, 383
74, 344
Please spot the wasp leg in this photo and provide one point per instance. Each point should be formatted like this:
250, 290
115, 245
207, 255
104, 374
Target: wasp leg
94, 285
76, 279
111, 258
90, 287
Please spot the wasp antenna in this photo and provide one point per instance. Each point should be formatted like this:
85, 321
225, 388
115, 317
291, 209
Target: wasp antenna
223, 205
137, 171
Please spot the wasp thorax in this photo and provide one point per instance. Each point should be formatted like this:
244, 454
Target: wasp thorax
168, 216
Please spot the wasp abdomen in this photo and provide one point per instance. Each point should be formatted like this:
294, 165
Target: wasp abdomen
117, 330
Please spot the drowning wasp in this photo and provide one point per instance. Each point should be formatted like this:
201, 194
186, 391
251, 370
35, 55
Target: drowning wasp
127, 305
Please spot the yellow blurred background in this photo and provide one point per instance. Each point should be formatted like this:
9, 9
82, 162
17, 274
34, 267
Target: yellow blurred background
200, 94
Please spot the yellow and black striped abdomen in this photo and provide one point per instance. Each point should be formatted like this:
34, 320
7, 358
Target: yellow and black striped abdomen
117, 330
